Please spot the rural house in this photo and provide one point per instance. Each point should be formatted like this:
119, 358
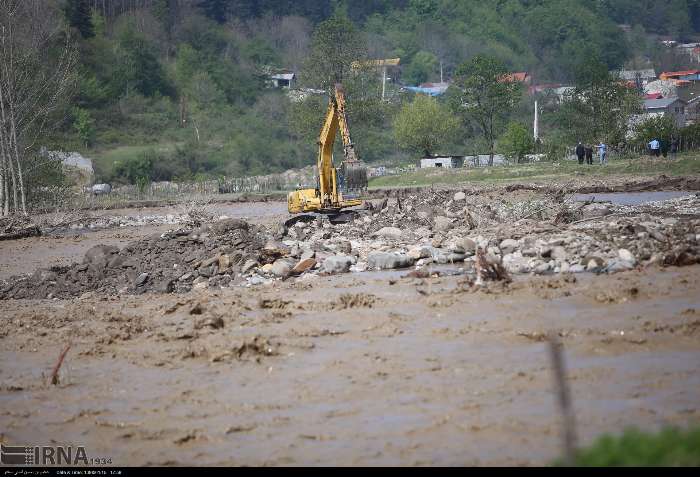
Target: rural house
668, 107
641, 77
282, 80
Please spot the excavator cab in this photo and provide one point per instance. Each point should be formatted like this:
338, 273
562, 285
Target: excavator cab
336, 188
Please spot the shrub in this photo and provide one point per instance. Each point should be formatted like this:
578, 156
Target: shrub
669, 447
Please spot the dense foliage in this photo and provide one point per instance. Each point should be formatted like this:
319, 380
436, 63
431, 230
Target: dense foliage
671, 447
163, 75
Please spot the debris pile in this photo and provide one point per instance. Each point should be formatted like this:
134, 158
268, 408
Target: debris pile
174, 261
15, 227
490, 238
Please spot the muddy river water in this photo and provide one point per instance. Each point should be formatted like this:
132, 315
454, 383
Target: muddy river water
373, 368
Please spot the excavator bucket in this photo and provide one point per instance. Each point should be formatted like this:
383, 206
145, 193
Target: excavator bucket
354, 176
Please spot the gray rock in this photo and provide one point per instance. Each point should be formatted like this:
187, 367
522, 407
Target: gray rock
442, 224
307, 253
389, 232
141, 279
468, 245
282, 267
626, 256
249, 265
419, 252
542, 268
387, 260
619, 266
443, 257
593, 263
577, 268
337, 264
459, 196
257, 280
508, 246
165, 286
595, 210
559, 253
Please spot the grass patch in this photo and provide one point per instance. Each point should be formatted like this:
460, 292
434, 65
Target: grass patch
671, 447
684, 165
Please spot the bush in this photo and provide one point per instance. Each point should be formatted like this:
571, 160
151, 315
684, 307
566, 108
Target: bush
660, 127
670, 447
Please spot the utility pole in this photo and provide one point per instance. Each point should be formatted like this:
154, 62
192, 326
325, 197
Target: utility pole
440, 71
383, 81
536, 125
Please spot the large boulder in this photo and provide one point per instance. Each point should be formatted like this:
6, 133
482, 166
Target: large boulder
508, 246
389, 232
442, 224
224, 226
595, 210
337, 264
101, 189
387, 260
282, 267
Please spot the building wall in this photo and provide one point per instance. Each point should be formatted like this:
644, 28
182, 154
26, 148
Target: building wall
445, 162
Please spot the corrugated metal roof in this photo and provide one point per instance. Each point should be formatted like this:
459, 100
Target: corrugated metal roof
659, 103
284, 76
631, 75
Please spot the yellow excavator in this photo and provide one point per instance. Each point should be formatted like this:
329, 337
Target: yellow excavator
336, 189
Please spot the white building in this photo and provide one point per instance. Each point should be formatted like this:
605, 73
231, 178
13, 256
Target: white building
447, 162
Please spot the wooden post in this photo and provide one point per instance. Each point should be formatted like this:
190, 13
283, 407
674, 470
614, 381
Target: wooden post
563, 398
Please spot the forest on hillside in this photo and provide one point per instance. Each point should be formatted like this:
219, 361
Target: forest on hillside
176, 89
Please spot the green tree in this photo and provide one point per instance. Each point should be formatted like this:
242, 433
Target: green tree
78, 14
516, 142
599, 107
424, 125
662, 128
421, 68
84, 125
138, 68
483, 94
335, 45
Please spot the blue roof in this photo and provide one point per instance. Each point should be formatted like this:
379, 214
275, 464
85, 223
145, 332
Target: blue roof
429, 91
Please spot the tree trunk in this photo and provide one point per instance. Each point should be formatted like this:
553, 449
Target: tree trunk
20, 178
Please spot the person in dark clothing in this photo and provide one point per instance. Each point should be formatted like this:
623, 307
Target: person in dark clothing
674, 147
589, 155
580, 152
664, 148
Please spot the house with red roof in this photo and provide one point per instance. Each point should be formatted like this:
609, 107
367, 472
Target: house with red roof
686, 75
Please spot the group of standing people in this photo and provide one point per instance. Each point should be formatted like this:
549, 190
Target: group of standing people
658, 147
585, 152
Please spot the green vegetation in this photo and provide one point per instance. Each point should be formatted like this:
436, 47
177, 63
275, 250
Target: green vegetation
543, 171
162, 72
484, 95
670, 447
424, 125
516, 142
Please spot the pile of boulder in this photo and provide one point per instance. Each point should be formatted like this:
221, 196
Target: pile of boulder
541, 236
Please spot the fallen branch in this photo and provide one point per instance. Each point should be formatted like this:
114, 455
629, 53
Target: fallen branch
54, 373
